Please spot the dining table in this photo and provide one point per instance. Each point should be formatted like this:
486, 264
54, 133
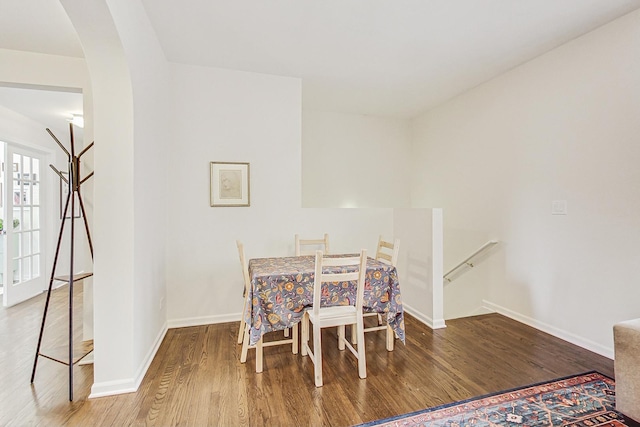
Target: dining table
282, 289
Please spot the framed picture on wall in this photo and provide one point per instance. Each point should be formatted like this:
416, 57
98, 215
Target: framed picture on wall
64, 191
229, 184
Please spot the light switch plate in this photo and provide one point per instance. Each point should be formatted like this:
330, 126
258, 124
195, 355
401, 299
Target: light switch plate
559, 207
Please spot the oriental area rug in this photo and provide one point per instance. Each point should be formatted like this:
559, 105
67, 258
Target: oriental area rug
585, 400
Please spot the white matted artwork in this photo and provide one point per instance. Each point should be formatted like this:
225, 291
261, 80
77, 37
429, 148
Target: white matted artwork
229, 184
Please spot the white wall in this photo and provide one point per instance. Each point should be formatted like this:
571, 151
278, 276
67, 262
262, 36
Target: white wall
150, 80
467, 290
115, 362
224, 115
354, 160
420, 263
561, 127
129, 77
19, 129
45, 70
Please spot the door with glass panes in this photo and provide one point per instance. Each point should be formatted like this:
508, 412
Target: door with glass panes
23, 259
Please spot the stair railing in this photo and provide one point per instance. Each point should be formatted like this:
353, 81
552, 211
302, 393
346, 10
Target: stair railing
468, 261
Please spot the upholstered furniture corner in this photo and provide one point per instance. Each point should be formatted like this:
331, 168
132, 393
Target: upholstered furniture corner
626, 338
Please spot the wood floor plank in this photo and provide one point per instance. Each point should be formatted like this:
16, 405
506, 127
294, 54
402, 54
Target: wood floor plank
196, 378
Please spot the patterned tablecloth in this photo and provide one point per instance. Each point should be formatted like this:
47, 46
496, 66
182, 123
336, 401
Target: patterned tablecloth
281, 288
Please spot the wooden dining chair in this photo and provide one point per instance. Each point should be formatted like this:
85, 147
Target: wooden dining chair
243, 333
387, 252
339, 315
245, 290
309, 246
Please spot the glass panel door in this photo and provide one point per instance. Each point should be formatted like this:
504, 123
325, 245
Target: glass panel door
22, 225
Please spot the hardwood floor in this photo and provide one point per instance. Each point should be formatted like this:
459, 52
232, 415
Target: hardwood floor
196, 378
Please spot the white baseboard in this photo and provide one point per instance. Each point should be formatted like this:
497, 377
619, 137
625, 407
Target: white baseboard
482, 310
111, 388
129, 385
427, 320
552, 330
203, 320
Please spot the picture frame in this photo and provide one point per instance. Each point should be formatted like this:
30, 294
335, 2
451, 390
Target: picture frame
64, 190
229, 184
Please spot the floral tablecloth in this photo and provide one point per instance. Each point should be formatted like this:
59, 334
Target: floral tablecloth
281, 288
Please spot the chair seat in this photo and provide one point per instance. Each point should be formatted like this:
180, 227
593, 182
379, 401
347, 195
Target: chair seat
334, 316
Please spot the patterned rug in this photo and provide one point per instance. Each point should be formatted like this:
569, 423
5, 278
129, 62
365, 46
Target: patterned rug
586, 400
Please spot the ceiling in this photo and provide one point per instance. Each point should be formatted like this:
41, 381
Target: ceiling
378, 57
53, 109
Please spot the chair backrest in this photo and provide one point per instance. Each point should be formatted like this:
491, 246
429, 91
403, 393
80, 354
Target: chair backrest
314, 244
326, 275
245, 267
388, 252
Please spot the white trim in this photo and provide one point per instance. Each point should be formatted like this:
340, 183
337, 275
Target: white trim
45, 151
110, 388
437, 266
203, 320
480, 311
68, 89
552, 330
433, 324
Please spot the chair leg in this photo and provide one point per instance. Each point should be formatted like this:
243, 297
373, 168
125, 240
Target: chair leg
242, 322
390, 338
294, 337
354, 337
317, 355
241, 331
245, 345
304, 341
259, 356
362, 358
341, 337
